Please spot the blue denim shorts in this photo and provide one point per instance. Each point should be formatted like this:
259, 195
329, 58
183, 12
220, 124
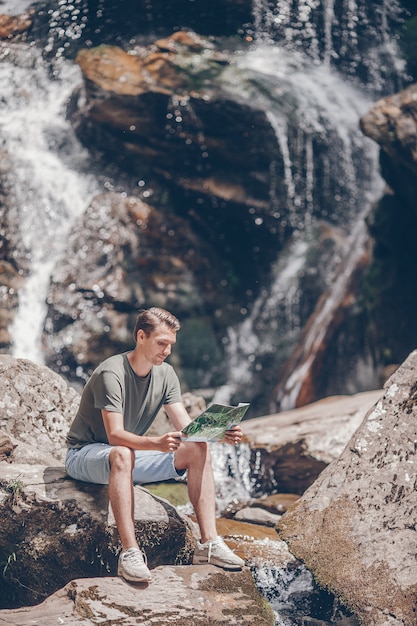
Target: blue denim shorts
91, 464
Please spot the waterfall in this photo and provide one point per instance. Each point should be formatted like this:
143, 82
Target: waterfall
14, 7
315, 69
324, 109
290, 387
49, 187
354, 35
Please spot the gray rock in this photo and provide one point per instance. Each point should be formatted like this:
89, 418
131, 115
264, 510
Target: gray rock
36, 408
256, 515
355, 528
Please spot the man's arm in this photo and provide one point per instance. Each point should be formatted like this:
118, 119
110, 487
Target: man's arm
178, 415
118, 436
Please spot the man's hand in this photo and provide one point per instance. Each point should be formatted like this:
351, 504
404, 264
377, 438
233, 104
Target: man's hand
233, 436
168, 442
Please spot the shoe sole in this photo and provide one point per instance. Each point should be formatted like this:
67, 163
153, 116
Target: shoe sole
203, 561
132, 579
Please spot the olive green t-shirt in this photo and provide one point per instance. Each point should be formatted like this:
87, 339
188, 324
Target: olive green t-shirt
114, 386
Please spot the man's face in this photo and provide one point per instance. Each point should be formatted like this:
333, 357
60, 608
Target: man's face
157, 346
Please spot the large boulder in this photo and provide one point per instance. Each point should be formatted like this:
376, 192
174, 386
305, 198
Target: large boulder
355, 527
162, 106
158, 110
55, 529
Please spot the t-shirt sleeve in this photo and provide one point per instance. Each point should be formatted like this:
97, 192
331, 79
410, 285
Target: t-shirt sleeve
108, 392
173, 388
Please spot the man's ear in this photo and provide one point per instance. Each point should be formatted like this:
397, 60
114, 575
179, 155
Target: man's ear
140, 335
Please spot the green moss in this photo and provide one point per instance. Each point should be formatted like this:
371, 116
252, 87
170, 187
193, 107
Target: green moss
176, 493
229, 583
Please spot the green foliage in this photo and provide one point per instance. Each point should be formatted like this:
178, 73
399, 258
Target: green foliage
15, 487
11, 558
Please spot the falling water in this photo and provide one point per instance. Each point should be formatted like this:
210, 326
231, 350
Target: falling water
313, 338
49, 188
354, 35
324, 108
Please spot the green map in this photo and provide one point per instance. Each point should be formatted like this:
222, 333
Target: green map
212, 424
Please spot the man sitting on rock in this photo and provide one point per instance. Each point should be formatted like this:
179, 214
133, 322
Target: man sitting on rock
107, 443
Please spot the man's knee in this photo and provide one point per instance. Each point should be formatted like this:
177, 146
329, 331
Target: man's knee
121, 459
197, 453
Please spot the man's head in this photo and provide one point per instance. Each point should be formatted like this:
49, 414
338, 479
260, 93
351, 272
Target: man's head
149, 320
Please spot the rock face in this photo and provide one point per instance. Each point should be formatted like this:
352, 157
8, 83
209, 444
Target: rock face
124, 252
355, 527
159, 110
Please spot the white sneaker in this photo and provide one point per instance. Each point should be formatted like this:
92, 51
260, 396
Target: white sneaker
217, 553
132, 566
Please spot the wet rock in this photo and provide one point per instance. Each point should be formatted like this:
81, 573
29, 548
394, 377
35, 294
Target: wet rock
258, 545
290, 449
391, 122
276, 504
163, 107
121, 254
355, 527
256, 515
158, 110
13, 25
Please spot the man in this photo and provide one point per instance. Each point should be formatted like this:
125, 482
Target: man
107, 441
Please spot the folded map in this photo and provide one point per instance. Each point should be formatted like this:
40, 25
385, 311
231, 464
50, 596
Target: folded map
212, 424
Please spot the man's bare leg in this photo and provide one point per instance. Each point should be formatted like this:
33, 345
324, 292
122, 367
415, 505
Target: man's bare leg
121, 494
195, 457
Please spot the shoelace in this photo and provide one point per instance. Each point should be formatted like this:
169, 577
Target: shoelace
209, 551
217, 542
137, 557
